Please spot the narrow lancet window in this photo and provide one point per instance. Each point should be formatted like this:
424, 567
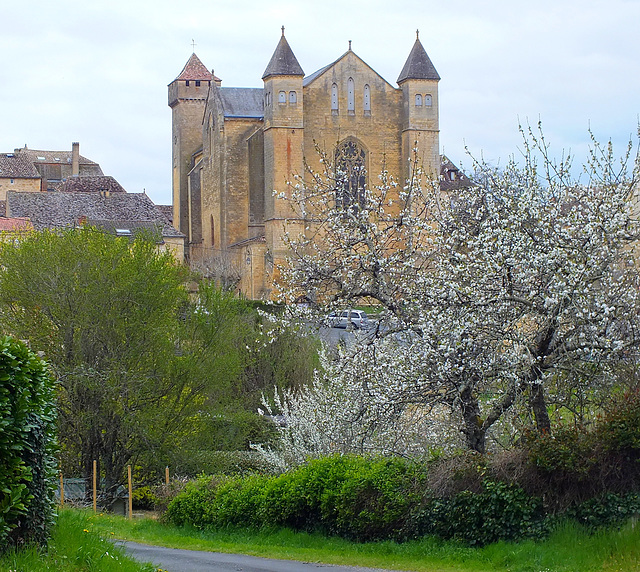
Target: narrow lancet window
293, 97
367, 99
334, 98
351, 96
418, 100
282, 97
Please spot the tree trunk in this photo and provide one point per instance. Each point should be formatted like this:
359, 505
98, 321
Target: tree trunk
474, 432
538, 405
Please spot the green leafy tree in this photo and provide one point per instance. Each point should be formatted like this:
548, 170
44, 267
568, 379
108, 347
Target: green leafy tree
104, 311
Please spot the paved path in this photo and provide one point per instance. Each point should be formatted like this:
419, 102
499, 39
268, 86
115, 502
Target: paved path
176, 560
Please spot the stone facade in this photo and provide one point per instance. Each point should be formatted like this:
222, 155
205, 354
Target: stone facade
236, 150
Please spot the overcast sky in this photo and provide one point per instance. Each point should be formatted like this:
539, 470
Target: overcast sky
97, 71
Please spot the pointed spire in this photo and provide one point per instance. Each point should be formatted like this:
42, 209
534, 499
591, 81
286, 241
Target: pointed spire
194, 69
418, 64
283, 61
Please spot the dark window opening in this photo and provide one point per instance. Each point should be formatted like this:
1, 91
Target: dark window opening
351, 176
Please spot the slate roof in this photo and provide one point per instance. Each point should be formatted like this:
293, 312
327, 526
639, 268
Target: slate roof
17, 167
283, 61
54, 210
167, 211
91, 185
14, 224
451, 177
57, 157
195, 69
242, 101
418, 65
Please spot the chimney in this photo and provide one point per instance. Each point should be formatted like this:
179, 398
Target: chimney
75, 159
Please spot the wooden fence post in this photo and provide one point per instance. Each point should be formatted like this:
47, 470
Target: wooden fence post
61, 490
130, 492
166, 476
95, 487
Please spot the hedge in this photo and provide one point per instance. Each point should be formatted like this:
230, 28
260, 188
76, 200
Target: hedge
27, 446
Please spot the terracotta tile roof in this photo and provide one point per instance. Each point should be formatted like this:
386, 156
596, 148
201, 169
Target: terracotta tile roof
91, 185
17, 167
15, 224
195, 69
52, 210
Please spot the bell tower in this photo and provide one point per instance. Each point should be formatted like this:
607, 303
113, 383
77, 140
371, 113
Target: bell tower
420, 129
187, 100
283, 142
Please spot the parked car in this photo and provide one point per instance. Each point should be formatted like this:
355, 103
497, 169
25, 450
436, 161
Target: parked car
356, 319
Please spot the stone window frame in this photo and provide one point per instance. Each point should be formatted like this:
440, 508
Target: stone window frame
418, 100
334, 99
282, 97
428, 100
367, 99
293, 98
351, 96
355, 156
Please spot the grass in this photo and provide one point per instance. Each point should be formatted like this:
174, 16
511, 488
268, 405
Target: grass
569, 549
80, 543
73, 548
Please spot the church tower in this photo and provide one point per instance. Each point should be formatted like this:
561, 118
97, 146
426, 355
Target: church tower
187, 99
283, 141
418, 81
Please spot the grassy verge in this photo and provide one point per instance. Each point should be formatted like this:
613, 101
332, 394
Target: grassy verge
568, 549
73, 548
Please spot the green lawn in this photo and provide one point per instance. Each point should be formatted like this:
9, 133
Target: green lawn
80, 544
568, 549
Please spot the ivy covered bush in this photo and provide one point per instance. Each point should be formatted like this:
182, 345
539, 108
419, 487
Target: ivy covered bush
27, 443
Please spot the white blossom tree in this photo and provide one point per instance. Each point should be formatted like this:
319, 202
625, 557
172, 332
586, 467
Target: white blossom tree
491, 293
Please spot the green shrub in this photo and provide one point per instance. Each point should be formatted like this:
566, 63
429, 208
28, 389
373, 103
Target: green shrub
240, 502
27, 443
192, 505
606, 510
619, 429
503, 511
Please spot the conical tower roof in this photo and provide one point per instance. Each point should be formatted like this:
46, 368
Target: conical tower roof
418, 65
283, 61
195, 69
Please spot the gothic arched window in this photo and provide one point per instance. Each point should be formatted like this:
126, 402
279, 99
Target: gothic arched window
351, 175
418, 100
293, 97
351, 96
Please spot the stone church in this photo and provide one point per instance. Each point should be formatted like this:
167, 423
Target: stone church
236, 150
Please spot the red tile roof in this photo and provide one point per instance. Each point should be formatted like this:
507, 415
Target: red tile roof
15, 224
195, 69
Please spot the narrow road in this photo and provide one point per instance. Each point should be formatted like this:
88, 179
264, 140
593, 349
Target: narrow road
177, 560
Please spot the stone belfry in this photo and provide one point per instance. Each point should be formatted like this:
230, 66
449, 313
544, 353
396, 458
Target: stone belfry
187, 99
283, 142
418, 81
